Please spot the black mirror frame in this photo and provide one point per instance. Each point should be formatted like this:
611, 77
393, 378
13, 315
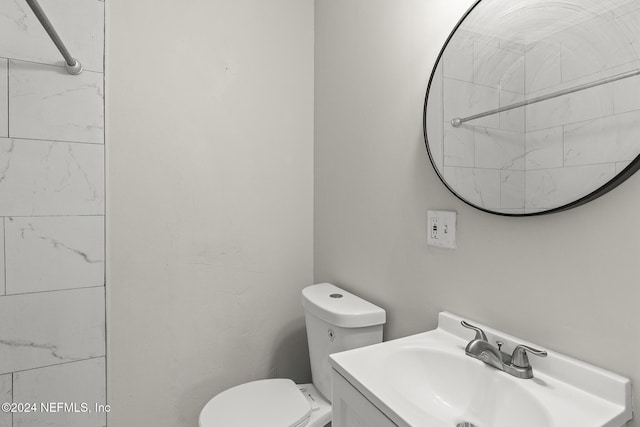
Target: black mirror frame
602, 190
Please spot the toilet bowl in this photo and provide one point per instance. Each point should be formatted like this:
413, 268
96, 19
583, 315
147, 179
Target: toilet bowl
268, 403
336, 320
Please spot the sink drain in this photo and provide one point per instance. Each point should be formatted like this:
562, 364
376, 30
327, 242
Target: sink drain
465, 424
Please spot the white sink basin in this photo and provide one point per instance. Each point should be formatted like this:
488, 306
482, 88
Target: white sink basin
452, 386
427, 380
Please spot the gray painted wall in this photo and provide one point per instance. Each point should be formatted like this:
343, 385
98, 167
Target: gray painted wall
210, 200
568, 281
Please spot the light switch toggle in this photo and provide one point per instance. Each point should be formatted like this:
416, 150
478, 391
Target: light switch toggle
441, 229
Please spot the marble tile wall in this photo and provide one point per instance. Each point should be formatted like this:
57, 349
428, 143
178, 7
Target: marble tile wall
480, 187
80, 24
4, 97
52, 253
42, 177
69, 382
52, 287
480, 73
3, 287
435, 121
48, 103
6, 395
47, 328
593, 133
542, 185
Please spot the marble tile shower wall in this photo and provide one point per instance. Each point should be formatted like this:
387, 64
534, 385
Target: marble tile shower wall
596, 130
52, 261
514, 160
481, 73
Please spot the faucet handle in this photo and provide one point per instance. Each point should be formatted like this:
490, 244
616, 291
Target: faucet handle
480, 335
520, 359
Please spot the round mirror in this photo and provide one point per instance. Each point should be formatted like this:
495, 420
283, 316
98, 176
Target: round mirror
534, 106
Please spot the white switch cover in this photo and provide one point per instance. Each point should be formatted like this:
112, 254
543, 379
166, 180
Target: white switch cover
441, 229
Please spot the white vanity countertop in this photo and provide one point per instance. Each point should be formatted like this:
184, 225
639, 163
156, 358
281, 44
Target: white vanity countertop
427, 380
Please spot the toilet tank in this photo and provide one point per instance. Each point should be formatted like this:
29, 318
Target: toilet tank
337, 321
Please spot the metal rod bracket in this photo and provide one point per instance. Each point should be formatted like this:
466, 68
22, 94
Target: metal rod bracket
74, 69
72, 65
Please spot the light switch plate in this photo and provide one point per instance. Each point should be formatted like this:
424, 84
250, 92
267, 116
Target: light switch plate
441, 229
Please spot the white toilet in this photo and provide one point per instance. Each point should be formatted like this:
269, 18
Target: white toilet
336, 321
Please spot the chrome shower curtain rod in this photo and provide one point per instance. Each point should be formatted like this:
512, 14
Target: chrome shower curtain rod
458, 120
72, 65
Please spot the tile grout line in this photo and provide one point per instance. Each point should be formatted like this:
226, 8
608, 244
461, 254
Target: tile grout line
442, 106
45, 64
564, 152
540, 169
563, 126
55, 140
8, 100
54, 290
55, 216
486, 86
524, 125
52, 365
104, 223
4, 251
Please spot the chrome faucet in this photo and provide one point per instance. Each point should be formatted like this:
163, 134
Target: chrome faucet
516, 364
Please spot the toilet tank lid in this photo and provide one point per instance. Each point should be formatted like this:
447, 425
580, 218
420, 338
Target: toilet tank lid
341, 308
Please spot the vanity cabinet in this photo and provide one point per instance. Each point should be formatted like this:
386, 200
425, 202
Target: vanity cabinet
352, 409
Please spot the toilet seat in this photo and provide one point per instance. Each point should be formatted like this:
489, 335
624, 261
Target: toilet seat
264, 403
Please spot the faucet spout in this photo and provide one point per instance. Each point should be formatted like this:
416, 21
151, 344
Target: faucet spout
516, 364
487, 353
490, 358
